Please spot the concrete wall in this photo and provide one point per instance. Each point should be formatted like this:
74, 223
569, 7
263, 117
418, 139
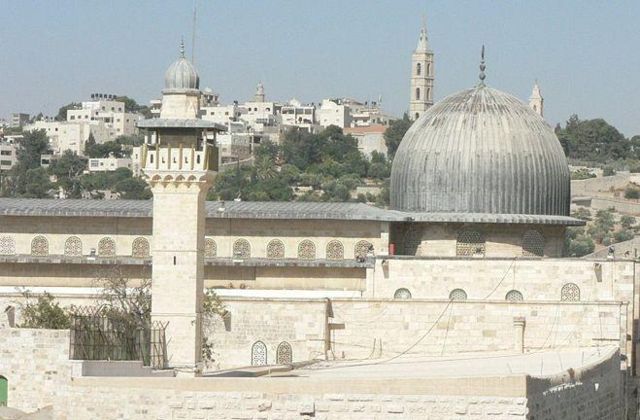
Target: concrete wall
621, 206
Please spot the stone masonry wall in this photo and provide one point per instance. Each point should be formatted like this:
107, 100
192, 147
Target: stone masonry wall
383, 328
592, 393
36, 365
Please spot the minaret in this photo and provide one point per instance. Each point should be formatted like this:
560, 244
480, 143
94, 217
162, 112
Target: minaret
422, 72
259, 96
536, 101
179, 160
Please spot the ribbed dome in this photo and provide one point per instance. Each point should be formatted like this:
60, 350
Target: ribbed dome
481, 151
181, 75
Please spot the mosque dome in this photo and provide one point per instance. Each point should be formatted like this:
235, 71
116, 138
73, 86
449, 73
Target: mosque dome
181, 74
481, 151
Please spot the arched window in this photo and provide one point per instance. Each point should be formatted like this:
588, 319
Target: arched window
39, 246
306, 249
241, 249
275, 249
258, 354
417, 94
7, 245
73, 247
428, 95
428, 69
513, 296
418, 69
140, 248
106, 247
532, 244
335, 250
570, 292
362, 249
284, 354
417, 115
210, 248
402, 294
470, 243
458, 294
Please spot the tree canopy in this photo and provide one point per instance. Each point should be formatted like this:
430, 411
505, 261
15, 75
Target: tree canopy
593, 140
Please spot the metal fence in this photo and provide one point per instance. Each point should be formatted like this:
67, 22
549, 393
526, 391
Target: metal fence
96, 335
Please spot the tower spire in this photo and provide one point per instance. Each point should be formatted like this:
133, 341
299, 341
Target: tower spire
182, 47
423, 40
482, 76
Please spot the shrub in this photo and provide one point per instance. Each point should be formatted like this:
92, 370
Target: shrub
608, 171
44, 313
632, 193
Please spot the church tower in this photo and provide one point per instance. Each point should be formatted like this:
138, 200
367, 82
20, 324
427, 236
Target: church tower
179, 160
422, 72
536, 101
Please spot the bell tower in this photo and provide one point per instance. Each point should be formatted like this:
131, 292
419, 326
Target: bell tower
536, 101
179, 160
422, 75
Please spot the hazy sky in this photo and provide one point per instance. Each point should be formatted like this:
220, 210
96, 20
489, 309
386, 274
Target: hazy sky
585, 54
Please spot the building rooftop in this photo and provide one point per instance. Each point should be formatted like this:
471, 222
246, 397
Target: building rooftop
287, 210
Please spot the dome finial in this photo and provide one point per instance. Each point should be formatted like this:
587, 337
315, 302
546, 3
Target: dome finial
482, 67
182, 47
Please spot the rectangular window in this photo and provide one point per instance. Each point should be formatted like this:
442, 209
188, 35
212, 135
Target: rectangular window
5, 152
5, 162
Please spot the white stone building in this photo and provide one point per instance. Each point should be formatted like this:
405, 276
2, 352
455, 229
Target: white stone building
422, 77
457, 301
109, 164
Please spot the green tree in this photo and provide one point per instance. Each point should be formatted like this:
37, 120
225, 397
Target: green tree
627, 221
35, 184
577, 243
394, 133
62, 112
68, 170
582, 214
133, 189
632, 193
623, 235
44, 313
592, 140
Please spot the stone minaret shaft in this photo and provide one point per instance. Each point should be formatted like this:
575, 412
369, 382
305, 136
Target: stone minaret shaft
179, 160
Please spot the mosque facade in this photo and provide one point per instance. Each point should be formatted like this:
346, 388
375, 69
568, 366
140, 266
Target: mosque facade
469, 257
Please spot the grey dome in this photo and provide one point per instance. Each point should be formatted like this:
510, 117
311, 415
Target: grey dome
181, 75
481, 151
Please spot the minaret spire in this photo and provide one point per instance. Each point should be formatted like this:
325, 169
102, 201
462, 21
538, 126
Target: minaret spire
423, 40
182, 47
482, 76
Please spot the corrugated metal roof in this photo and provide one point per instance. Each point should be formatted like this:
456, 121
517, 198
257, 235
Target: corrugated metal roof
295, 210
481, 151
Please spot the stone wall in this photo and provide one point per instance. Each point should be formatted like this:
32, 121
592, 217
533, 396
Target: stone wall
501, 240
381, 328
36, 365
590, 186
593, 392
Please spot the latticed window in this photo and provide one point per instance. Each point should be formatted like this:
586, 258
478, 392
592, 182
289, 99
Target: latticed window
39, 246
402, 294
106, 247
258, 354
284, 354
306, 249
532, 244
275, 249
210, 248
470, 242
335, 250
241, 249
7, 245
513, 296
362, 248
570, 292
458, 294
140, 248
73, 246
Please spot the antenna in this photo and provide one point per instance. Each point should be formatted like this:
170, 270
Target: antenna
193, 32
